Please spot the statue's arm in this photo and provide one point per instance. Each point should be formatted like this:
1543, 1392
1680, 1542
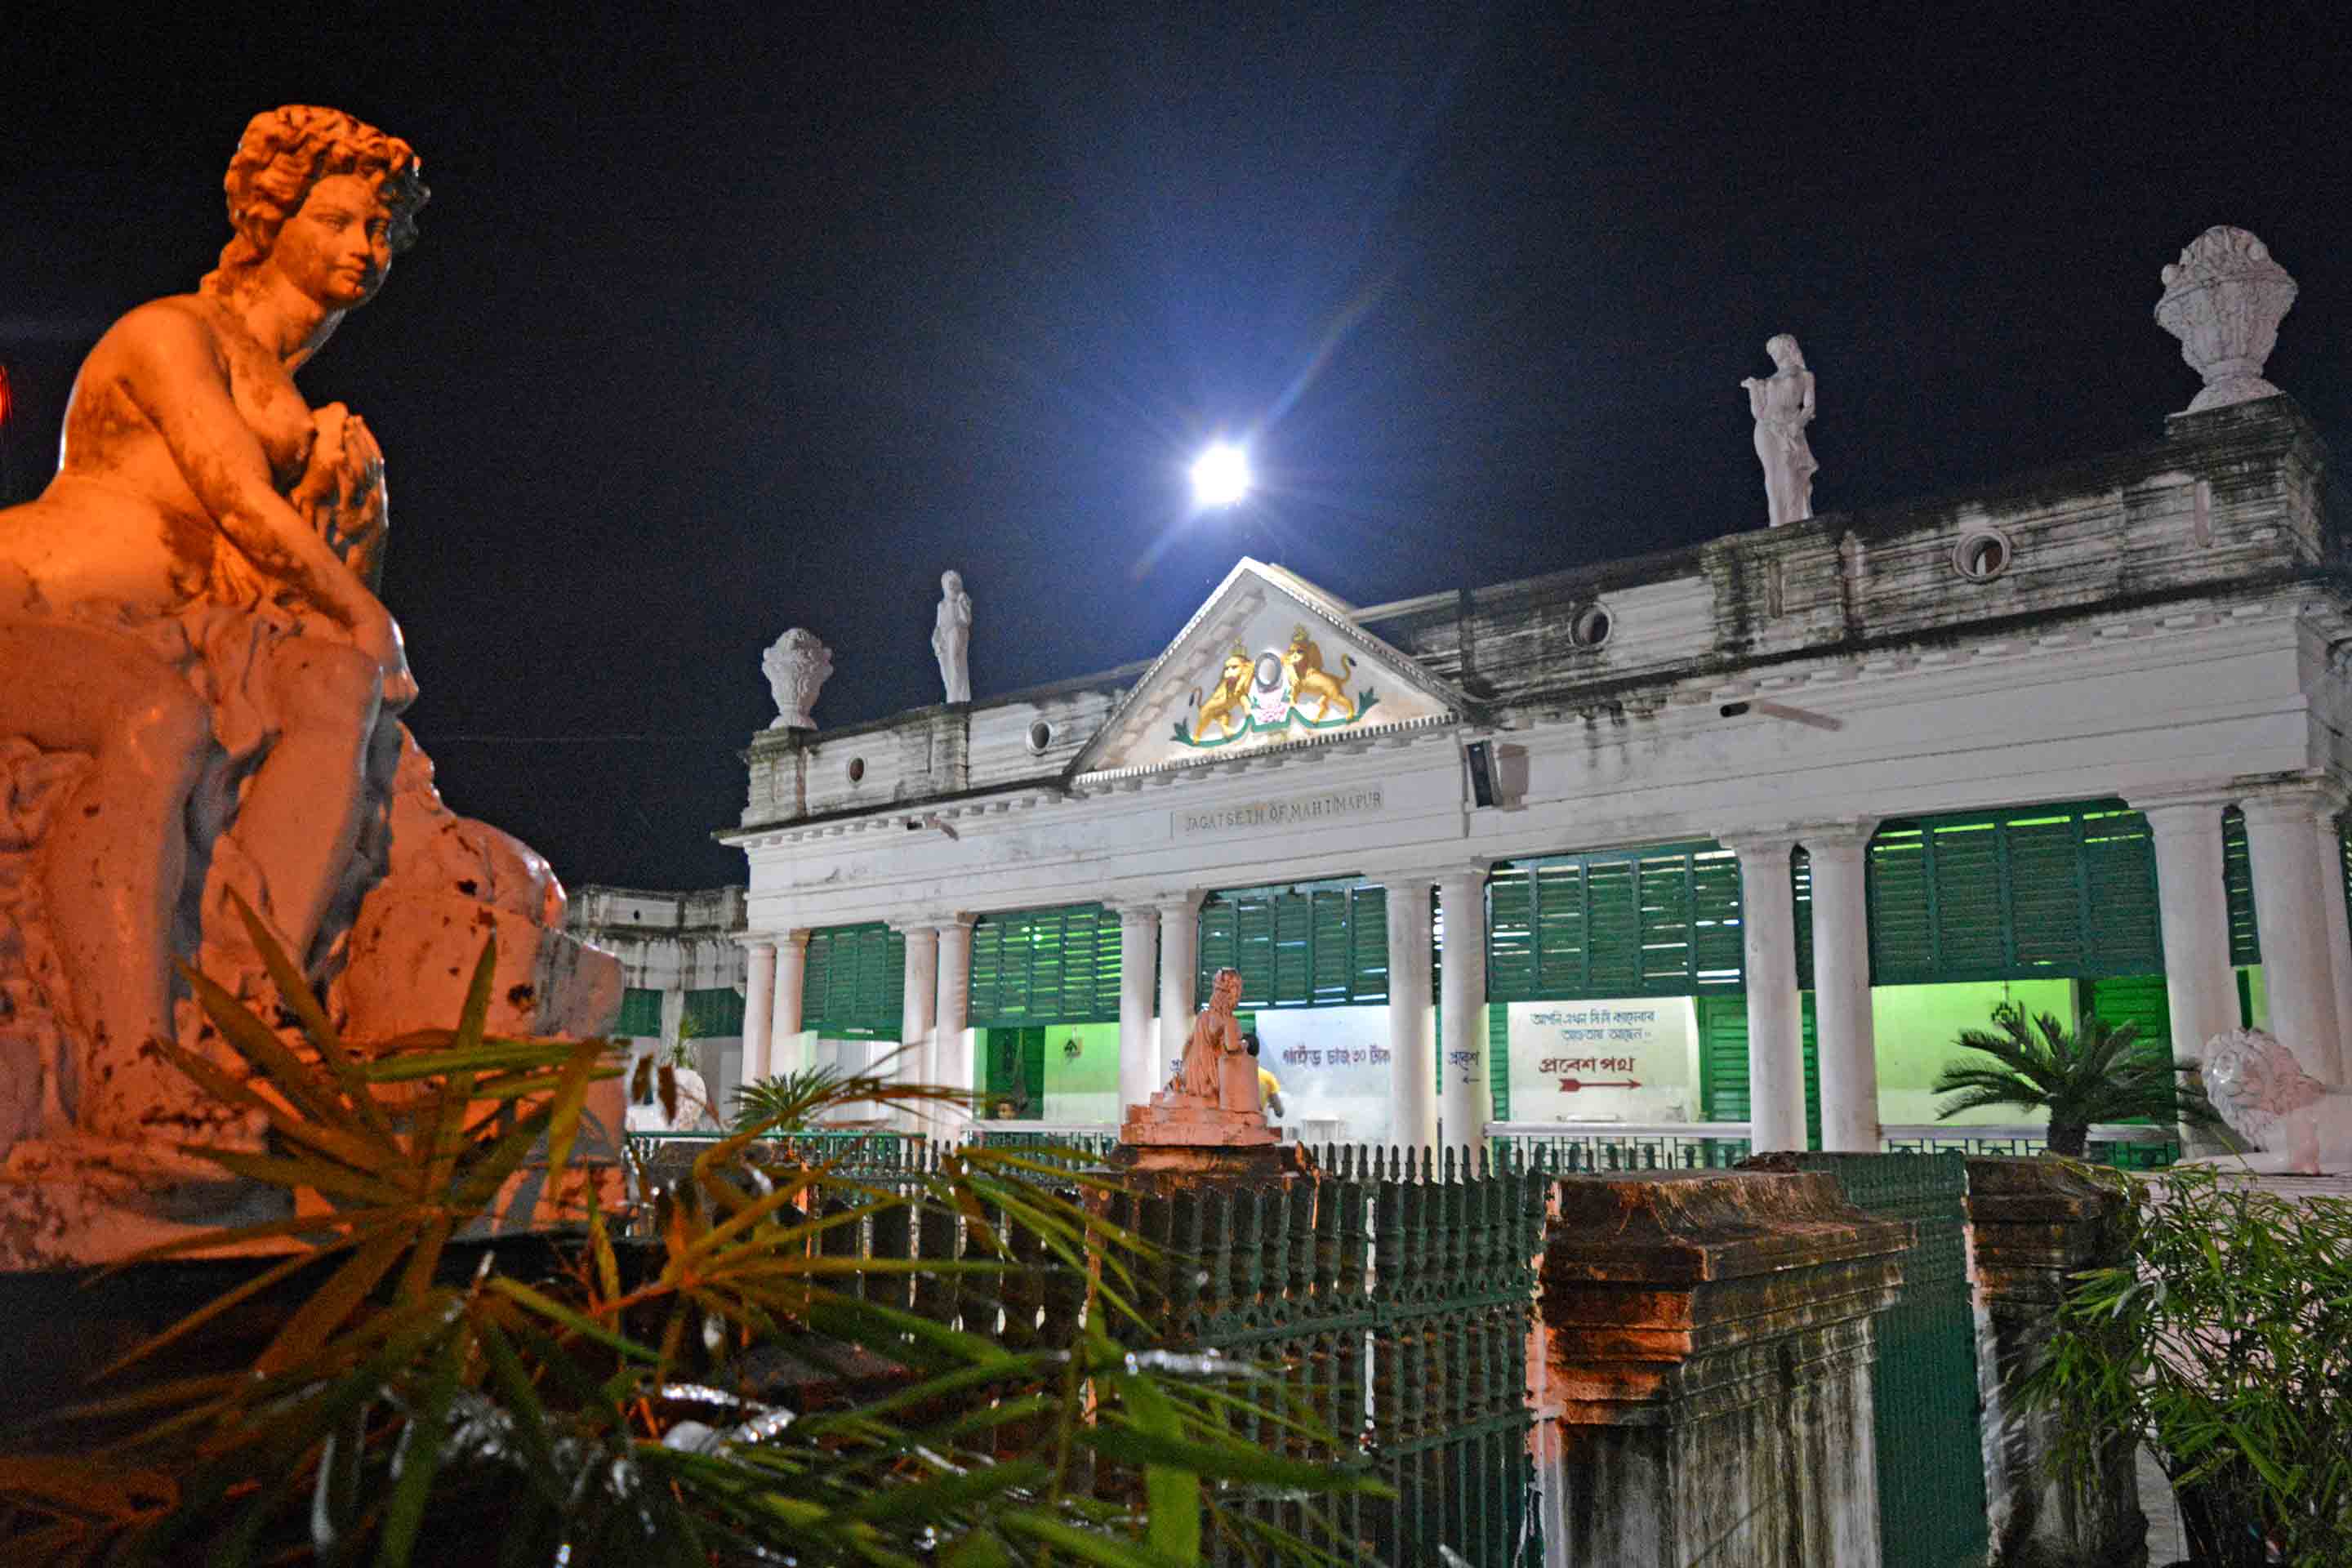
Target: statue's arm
1809, 395
172, 374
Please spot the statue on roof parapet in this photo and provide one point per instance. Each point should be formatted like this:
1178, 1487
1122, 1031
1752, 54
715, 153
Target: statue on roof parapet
1782, 405
952, 637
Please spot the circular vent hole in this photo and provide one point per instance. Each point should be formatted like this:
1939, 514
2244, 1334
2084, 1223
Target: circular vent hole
1041, 735
856, 769
1591, 628
1982, 556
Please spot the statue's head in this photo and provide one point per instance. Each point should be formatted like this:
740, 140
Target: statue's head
1785, 352
950, 583
337, 175
1225, 990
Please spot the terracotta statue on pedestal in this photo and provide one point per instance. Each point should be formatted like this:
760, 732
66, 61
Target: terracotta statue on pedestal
1209, 1121
202, 686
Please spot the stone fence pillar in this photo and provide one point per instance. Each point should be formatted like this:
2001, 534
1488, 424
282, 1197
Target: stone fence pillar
2037, 1222
1707, 1352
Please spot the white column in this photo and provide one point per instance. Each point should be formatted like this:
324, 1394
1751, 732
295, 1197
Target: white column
1848, 1043
1776, 1054
950, 1056
2193, 905
2298, 975
1412, 1067
921, 991
1180, 955
1139, 1052
784, 1007
2339, 938
1466, 1100
759, 998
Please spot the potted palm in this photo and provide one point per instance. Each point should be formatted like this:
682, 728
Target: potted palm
2096, 1072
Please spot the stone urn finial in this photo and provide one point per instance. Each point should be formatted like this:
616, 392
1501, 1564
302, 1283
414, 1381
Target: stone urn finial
797, 666
2224, 300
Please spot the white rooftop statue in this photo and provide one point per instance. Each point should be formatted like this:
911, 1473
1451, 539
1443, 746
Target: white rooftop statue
2224, 300
1782, 405
952, 637
797, 667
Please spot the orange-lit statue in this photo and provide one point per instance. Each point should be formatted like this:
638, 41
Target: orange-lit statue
1210, 1119
200, 683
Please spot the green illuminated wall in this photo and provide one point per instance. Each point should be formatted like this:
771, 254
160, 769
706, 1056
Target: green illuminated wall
1915, 1026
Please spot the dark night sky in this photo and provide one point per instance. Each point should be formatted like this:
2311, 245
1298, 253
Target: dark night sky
737, 320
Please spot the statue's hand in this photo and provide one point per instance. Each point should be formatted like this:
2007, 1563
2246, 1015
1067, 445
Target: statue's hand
341, 491
377, 635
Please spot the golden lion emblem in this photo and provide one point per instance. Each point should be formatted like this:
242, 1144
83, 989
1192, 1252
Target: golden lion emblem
1227, 705
1309, 679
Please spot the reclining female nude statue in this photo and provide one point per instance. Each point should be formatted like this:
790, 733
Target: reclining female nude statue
202, 686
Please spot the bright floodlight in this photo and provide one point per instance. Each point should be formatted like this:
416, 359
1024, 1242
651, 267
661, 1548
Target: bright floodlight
1221, 475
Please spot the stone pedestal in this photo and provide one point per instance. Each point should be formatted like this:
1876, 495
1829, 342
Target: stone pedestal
2036, 1222
1707, 1354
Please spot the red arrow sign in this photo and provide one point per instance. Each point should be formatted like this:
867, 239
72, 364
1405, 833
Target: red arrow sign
1570, 1085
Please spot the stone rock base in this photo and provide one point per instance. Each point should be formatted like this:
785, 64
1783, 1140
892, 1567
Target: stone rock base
73, 1200
1176, 1164
1183, 1121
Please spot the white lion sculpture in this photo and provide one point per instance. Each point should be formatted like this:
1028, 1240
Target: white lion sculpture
2294, 1124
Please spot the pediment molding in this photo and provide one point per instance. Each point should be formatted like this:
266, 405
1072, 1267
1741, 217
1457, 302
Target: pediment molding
1270, 663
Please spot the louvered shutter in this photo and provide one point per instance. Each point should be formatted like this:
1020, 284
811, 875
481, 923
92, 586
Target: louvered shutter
2237, 887
714, 1012
1510, 934
2124, 923
1044, 967
1718, 953
1367, 944
641, 1011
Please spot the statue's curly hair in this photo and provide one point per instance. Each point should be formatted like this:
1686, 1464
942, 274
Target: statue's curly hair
285, 152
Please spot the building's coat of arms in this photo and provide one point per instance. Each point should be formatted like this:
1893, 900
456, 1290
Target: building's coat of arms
1272, 690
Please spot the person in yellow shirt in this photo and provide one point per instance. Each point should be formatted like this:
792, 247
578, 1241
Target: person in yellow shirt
1269, 1087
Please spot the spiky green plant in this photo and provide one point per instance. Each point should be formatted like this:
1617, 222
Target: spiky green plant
405, 1412
783, 1102
2096, 1072
2223, 1343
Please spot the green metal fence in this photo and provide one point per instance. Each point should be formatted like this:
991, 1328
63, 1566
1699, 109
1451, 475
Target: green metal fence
1931, 1490
1393, 1296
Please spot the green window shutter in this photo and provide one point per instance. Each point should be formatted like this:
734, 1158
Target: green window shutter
2140, 1000
1718, 954
851, 982
2123, 924
641, 1011
1613, 930
1813, 1049
1044, 967
1253, 948
1800, 901
2238, 885
714, 1013
1662, 894
2047, 882
1563, 966
1723, 1059
1293, 956
1318, 945
1498, 1057
1331, 955
1367, 944
1219, 934
1967, 885
1510, 934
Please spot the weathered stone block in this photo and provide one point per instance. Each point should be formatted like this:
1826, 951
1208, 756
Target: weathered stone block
2037, 1222
1704, 1356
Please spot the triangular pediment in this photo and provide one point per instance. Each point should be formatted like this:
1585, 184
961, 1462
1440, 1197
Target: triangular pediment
1270, 660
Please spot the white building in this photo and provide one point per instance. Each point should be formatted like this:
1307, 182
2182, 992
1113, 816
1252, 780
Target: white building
682, 959
1749, 829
